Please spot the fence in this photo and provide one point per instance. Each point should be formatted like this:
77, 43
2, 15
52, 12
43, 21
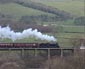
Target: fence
57, 51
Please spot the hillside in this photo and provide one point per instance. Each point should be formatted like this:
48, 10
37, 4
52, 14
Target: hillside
74, 7
18, 10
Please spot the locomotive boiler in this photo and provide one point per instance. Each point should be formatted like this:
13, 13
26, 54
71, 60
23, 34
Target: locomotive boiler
29, 45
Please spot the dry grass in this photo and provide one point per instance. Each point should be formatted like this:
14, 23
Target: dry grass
10, 61
71, 62
13, 61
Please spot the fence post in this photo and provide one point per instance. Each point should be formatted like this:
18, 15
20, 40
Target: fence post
35, 52
22, 52
9, 51
61, 52
49, 62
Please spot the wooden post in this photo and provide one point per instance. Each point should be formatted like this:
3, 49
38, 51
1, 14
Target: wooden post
49, 62
61, 52
35, 52
9, 51
22, 52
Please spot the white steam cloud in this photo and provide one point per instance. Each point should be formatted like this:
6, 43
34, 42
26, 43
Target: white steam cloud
6, 32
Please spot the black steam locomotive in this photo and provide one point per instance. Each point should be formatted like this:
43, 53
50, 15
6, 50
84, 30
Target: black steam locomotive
29, 45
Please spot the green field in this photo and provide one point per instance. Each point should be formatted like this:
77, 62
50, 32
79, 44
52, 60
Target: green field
17, 10
78, 29
74, 7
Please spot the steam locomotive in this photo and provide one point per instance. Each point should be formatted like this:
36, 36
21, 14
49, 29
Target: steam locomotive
29, 45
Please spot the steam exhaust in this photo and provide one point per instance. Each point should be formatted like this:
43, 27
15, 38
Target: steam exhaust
6, 32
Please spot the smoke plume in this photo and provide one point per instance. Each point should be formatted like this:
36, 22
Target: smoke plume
6, 32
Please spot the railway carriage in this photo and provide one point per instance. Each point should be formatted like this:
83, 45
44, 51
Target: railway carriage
29, 45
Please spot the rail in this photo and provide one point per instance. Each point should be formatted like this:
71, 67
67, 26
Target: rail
62, 50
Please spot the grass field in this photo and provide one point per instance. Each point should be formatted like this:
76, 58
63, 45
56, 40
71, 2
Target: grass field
67, 39
18, 10
74, 7
78, 29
